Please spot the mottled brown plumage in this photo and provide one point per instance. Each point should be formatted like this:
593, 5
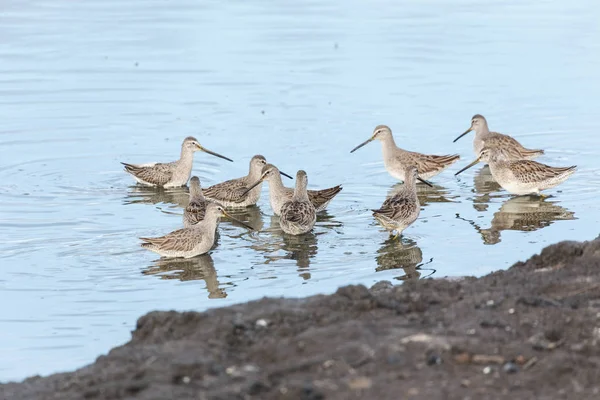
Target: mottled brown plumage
279, 194
399, 211
171, 174
396, 160
196, 208
298, 215
513, 150
234, 192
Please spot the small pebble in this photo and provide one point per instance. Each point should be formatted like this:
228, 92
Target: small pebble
186, 379
487, 370
262, 323
465, 383
510, 368
434, 359
360, 383
471, 332
490, 303
250, 368
511, 311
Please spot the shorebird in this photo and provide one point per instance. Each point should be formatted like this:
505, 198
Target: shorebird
399, 211
196, 208
193, 241
171, 174
298, 215
235, 193
522, 176
279, 194
396, 159
484, 138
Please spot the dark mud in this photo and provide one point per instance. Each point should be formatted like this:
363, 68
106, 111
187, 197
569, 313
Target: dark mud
532, 331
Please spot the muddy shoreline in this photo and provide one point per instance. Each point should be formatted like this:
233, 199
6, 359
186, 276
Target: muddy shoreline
532, 331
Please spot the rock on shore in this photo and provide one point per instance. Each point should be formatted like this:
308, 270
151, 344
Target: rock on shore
532, 331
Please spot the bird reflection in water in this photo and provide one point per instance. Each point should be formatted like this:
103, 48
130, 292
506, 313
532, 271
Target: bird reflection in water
139, 194
401, 254
276, 245
189, 269
426, 194
523, 213
280, 246
250, 215
300, 248
179, 198
483, 186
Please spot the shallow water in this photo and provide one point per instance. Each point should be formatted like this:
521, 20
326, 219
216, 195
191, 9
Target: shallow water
84, 85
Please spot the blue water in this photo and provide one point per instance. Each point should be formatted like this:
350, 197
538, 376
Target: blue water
84, 85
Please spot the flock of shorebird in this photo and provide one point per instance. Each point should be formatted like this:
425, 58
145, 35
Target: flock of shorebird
510, 165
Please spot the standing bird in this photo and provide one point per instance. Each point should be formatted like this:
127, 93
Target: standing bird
173, 174
298, 215
396, 159
193, 241
234, 192
279, 194
402, 209
484, 138
522, 176
196, 208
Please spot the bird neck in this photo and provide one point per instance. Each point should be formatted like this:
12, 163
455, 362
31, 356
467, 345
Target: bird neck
388, 144
211, 220
482, 131
196, 193
254, 174
410, 181
300, 193
187, 156
275, 183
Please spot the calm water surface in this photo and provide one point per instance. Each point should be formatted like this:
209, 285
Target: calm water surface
84, 85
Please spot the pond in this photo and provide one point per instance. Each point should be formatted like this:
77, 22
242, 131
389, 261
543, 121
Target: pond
85, 85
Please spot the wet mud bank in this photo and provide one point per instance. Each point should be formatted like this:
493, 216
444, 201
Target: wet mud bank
532, 331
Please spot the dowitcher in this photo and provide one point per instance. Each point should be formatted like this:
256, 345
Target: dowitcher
396, 159
298, 215
193, 241
521, 176
171, 174
279, 194
196, 208
399, 211
235, 193
484, 138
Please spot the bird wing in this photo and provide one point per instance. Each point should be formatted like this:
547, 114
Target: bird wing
320, 197
532, 171
510, 147
156, 174
428, 163
297, 212
397, 207
231, 191
195, 211
180, 240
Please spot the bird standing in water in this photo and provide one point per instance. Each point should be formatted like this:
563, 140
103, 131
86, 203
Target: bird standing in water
173, 174
298, 215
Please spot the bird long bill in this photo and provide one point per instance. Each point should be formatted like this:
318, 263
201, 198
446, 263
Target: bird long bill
361, 145
212, 153
253, 186
467, 131
425, 182
237, 221
286, 175
468, 166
